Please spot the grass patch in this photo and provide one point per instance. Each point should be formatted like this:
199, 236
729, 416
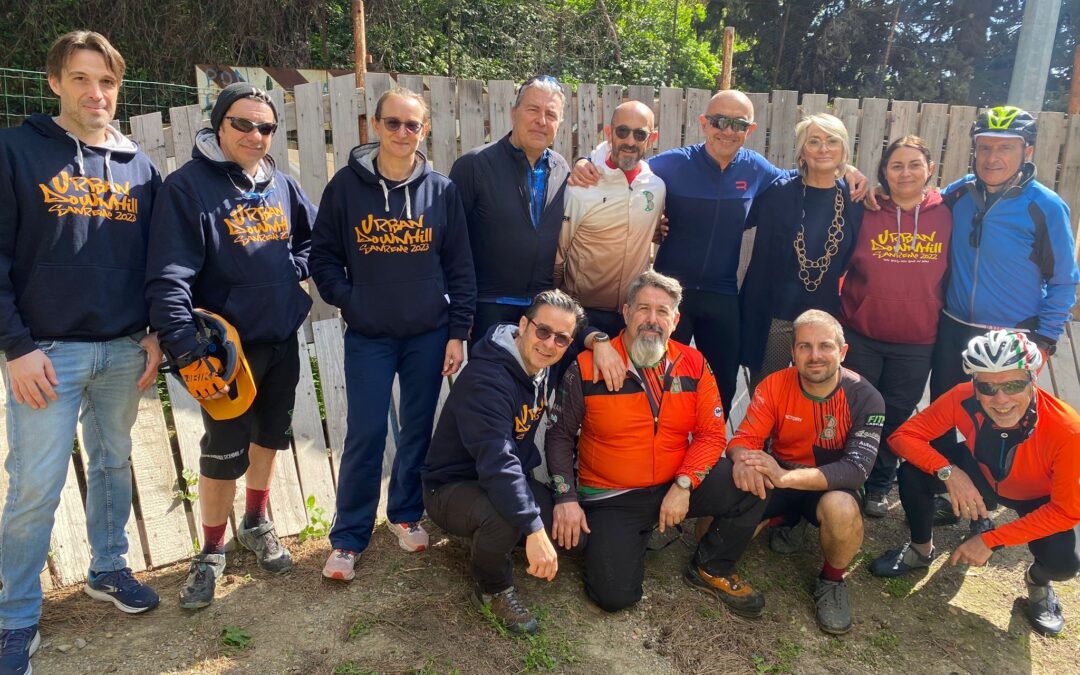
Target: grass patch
886, 641
359, 629
899, 587
235, 637
783, 659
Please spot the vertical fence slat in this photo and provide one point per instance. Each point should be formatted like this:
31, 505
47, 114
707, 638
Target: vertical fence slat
696, 102
588, 121
311, 138
564, 137
185, 122
150, 135
903, 119
871, 136
187, 422
1052, 134
471, 112
500, 100
669, 121
757, 138
136, 555
1069, 186
279, 144
933, 123
611, 97
644, 93
330, 355
957, 143
813, 104
286, 501
69, 550
344, 118
443, 123
847, 109
312, 461
1063, 367
783, 112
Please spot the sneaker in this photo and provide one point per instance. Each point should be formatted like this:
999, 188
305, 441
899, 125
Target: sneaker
507, 609
739, 597
833, 606
943, 513
341, 564
788, 540
122, 589
876, 505
410, 536
17, 645
202, 576
900, 561
980, 526
1043, 609
264, 543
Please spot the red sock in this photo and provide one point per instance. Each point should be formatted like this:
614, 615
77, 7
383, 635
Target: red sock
830, 573
214, 538
775, 521
255, 507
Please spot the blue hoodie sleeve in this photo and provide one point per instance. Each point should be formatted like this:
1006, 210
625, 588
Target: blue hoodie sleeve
487, 436
177, 248
457, 263
1060, 272
303, 215
15, 339
328, 255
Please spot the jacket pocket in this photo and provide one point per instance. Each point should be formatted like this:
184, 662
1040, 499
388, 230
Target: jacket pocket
269, 312
397, 309
83, 301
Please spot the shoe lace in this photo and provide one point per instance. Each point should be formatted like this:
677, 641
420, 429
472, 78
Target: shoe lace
831, 593
123, 579
511, 598
412, 527
270, 542
17, 640
344, 553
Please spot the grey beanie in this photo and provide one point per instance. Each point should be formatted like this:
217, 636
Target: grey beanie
233, 93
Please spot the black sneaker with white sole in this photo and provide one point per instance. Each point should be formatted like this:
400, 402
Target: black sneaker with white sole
122, 589
263, 541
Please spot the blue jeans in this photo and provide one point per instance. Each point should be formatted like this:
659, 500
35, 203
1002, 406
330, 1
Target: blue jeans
98, 389
370, 364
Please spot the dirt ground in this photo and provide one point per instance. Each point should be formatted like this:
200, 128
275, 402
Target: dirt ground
409, 613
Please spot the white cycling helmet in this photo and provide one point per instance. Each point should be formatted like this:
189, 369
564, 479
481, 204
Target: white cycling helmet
1001, 350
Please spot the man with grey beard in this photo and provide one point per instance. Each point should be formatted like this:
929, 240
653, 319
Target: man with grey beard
645, 456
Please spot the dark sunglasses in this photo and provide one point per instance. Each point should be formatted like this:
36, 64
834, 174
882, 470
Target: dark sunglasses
392, 125
640, 135
1011, 388
245, 126
543, 333
722, 122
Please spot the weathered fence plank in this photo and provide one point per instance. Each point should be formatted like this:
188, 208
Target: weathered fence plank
588, 120
500, 100
279, 143
847, 110
344, 118
564, 138
443, 123
330, 355
669, 121
957, 143
471, 112
781, 150
187, 422
697, 100
933, 124
1069, 186
1052, 135
150, 135
644, 93
871, 136
69, 550
813, 104
756, 140
312, 460
611, 97
903, 119
185, 122
311, 139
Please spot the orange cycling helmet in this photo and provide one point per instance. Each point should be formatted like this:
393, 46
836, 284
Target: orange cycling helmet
219, 343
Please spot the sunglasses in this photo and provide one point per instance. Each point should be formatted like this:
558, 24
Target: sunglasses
640, 135
245, 126
722, 122
543, 333
1011, 388
392, 125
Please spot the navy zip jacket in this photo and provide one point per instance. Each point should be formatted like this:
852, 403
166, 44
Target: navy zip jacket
394, 256
229, 244
513, 259
73, 227
487, 428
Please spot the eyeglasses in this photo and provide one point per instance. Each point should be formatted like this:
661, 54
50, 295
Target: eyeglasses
832, 143
245, 126
1011, 388
640, 135
392, 125
543, 333
721, 122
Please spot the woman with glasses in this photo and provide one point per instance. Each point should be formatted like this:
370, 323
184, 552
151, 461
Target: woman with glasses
391, 249
893, 295
806, 230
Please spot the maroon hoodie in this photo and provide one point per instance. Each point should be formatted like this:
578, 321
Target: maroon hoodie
895, 284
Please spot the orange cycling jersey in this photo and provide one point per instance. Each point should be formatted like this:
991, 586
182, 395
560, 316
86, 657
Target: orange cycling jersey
1045, 464
838, 434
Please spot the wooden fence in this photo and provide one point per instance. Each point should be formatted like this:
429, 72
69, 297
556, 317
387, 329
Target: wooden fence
323, 128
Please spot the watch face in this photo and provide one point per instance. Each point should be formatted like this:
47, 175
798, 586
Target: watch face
601, 337
683, 482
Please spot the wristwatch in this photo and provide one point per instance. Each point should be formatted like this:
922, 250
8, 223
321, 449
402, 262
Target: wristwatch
944, 472
683, 481
600, 337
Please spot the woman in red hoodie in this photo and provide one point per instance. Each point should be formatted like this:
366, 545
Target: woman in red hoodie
893, 293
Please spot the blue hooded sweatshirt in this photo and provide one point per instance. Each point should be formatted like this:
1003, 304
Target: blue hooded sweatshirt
73, 226
487, 428
394, 257
228, 243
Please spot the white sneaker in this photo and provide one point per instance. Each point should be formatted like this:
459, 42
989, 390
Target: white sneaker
411, 536
340, 565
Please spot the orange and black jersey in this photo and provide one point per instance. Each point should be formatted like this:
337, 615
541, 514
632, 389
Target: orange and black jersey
838, 434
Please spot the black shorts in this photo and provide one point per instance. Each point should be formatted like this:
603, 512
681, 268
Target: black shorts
793, 504
275, 367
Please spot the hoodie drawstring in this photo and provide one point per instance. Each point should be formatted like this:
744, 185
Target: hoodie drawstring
385, 194
915, 233
79, 156
408, 204
108, 168
386, 199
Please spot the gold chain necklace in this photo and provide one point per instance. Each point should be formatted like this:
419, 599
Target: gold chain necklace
832, 244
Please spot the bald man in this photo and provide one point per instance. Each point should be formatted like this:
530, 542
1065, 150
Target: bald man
607, 229
711, 187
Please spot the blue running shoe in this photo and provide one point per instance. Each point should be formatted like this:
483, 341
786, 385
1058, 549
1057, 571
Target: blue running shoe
122, 589
17, 645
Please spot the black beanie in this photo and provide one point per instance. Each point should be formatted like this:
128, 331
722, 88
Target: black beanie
233, 93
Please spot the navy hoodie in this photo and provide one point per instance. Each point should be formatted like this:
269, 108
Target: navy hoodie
73, 225
486, 430
394, 257
224, 242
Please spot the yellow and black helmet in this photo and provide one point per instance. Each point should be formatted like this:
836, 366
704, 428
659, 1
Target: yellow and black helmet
1005, 120
218, 338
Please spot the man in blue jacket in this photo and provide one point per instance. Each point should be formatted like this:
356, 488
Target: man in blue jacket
76, 199
477, 477
231, 235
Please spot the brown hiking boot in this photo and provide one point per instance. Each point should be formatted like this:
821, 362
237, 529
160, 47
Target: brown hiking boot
507, 609
740, 598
